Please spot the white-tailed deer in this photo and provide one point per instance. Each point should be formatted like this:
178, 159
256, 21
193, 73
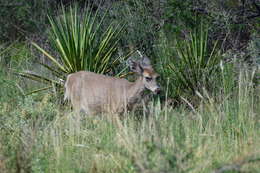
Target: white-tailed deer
95, 93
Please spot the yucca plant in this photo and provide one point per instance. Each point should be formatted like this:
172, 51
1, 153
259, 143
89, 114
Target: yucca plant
81, 44
197, 62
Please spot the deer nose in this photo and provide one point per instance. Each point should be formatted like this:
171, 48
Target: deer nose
157, 91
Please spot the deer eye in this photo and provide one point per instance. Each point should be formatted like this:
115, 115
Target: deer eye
148, 79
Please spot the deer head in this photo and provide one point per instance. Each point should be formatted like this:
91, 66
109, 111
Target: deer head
145, 70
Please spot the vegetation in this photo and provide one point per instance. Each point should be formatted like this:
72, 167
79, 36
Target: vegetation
207, 119
192, 65
75, 38
37, 136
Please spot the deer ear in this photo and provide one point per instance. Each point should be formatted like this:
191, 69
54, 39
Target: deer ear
145, 62
135, 66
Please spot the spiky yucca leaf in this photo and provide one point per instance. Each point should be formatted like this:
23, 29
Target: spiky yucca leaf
196, 61
75, 35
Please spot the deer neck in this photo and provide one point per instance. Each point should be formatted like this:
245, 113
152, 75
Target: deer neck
136, 90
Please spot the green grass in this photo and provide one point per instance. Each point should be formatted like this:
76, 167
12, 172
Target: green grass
213, 129
38, 135
221, 131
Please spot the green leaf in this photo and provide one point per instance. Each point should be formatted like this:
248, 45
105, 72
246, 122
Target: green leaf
81, 44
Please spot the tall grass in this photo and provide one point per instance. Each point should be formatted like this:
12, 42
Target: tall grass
220, 134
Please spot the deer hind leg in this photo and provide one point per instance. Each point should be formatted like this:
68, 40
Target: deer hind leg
76, 106
75, 100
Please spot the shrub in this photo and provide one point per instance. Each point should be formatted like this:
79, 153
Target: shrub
19, 19
13, 56
142, 20
74, 35
191, 65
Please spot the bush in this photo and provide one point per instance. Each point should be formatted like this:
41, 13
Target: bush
230, 22
75, 37
14, 56
19, 19
142, 20
192, 64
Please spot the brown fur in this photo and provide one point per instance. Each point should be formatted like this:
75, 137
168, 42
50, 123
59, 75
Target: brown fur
95, 93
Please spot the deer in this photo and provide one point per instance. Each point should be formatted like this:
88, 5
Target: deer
96, 93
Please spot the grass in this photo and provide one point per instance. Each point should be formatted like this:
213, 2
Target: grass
213, 129
38, 135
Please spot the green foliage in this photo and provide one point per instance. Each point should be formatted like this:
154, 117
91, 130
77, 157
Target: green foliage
232, 22
179, 16
78, 44
196, 63
193, 64
254, 50
19, 19
38, 136
14, 56
142, 20
26, 116
75, 37
9, 87
228, 78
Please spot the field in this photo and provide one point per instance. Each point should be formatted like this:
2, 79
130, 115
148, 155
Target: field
205, 120
40, 135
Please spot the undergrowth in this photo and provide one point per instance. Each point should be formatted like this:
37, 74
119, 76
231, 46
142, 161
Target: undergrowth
36, 135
